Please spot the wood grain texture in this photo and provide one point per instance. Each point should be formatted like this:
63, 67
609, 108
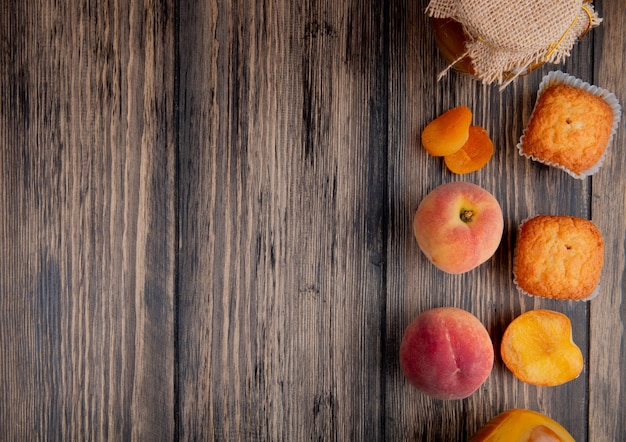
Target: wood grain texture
523, 189
206, 223
282, 220
88, 223
607, 351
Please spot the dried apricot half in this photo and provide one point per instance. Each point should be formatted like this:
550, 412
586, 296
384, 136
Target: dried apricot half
448, 132
474, 154
537, 347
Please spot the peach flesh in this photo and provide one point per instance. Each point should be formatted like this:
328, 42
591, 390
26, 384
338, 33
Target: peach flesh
446, 353
520, 425
458, 226
537, 347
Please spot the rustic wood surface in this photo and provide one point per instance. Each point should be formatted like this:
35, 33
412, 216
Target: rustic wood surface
205, 223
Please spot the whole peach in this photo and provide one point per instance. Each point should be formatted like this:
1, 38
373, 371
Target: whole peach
458, 226
446, 353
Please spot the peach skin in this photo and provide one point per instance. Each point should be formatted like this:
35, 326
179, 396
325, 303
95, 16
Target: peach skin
446, 353
458, 226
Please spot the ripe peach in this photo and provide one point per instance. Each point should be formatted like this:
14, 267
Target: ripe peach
537, 347
519, 425
458, 226
446, 353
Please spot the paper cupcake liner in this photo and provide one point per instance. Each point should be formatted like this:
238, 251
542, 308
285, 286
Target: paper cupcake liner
521, 291
558, 77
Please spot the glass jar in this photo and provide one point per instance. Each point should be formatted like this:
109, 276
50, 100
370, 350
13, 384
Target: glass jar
498, 40
450, 39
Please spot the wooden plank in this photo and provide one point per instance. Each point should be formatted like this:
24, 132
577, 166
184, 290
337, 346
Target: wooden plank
88, 222
242, 266
523, 189
607, 350
283, 219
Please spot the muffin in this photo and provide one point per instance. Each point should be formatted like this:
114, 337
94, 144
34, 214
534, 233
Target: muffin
571, 126
558, 257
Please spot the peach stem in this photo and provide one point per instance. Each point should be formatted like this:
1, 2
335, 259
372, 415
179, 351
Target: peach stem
466, 215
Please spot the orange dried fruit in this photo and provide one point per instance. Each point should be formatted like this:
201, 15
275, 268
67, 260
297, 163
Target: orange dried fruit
537, 347
448, 132
474, 154
519, 425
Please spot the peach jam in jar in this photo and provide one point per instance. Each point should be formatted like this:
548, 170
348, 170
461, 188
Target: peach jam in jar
498, 40
450, 40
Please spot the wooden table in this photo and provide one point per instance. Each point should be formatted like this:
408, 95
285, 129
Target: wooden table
206, 215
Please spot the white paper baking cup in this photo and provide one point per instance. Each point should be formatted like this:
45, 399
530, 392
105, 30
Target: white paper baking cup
593, 294
558, 77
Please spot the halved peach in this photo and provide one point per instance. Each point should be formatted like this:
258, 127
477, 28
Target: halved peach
474, 154
519, 425
448, 132
537, 347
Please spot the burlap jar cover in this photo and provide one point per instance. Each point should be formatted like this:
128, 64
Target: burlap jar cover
506, 37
